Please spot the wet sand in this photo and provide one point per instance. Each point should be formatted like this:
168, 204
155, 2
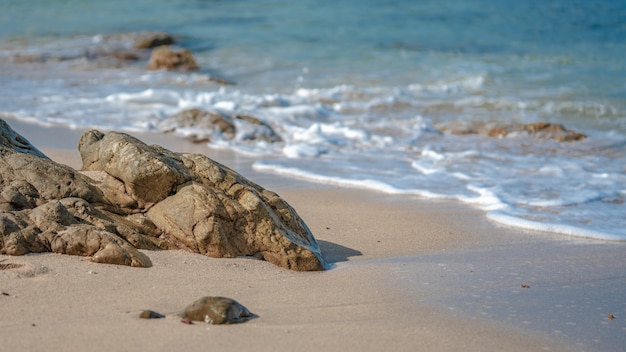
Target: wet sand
406, 275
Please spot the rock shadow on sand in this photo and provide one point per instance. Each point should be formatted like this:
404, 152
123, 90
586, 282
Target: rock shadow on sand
335, 253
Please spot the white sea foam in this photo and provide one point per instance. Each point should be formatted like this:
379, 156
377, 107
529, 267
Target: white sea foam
470, 83
371, 184
565, 229
149, 96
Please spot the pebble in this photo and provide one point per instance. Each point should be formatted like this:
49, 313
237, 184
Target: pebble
217, 310
150, 314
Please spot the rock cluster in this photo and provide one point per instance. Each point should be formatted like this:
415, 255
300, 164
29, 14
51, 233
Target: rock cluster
157, 48
133, 196
544, 130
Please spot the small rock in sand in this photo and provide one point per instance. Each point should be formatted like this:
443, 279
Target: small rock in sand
217, 310
150, 314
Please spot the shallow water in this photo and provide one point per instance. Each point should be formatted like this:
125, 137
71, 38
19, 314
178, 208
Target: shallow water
362, 93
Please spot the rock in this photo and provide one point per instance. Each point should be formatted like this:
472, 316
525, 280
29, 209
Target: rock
154, 50
200, 204
497, 132
45, 207
148, 175
28, 180
257, 129
543, 130
153, 40
150, 314
216, 310
553, 131
7, 266
201, 126
11, 141
133, 196
165, 58
101, 245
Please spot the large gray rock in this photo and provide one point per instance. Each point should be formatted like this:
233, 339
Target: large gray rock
132, 196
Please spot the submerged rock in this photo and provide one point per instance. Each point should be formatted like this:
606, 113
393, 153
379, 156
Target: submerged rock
544, 130
141, 197
200, 126
553, 131
216, 310
257, 129
152, 40
166, 58
153, 50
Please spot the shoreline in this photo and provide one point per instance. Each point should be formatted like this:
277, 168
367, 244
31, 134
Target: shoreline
407, 274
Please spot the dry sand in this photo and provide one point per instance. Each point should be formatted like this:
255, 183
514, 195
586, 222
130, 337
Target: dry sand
407, 275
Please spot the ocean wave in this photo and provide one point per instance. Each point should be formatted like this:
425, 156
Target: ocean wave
471, 84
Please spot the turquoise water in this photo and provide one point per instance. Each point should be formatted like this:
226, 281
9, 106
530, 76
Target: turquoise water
537, 43
358, 91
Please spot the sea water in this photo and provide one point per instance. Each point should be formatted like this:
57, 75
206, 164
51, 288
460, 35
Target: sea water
362, 93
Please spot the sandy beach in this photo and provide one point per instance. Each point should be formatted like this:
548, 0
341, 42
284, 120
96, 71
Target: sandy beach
405, 275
